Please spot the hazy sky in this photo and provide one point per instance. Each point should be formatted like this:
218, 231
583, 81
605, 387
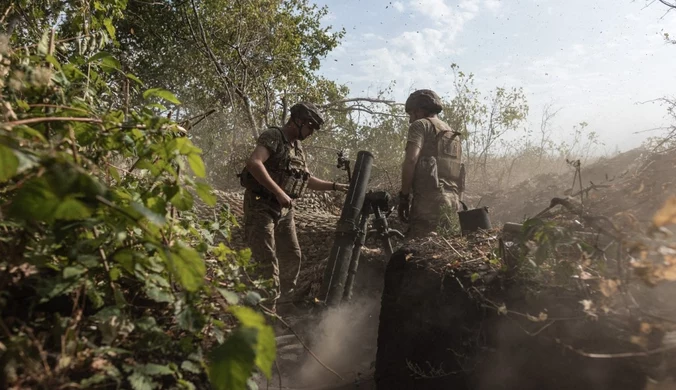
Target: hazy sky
596, 60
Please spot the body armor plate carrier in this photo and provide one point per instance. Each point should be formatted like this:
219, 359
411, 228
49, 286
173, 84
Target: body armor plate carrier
290, 174
441, 168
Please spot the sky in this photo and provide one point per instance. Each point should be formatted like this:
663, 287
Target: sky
597, 61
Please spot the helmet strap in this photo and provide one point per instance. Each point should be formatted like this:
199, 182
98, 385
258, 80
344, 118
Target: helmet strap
300, 129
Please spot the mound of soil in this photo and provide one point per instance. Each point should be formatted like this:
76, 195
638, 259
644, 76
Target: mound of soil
450, 319
626, 170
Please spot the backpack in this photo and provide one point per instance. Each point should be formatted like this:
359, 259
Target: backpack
443, 168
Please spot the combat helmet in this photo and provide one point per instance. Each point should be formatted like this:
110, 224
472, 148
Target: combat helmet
306, 110
425, 99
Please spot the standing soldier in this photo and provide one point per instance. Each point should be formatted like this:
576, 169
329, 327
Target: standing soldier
432, 178
275, 174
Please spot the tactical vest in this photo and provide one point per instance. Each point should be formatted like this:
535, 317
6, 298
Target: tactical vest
439, 165
289, 173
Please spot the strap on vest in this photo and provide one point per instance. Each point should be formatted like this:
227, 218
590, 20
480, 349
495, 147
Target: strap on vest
441, 133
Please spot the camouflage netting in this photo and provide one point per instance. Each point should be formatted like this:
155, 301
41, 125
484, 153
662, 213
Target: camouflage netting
316, 217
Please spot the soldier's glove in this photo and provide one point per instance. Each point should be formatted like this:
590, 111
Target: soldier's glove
404, 207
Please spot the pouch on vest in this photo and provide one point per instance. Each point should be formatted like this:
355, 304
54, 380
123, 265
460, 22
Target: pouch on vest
294, 182
248, 181
426, 176
443, 168
449, 154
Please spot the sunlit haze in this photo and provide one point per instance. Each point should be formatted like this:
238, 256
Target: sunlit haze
597, 61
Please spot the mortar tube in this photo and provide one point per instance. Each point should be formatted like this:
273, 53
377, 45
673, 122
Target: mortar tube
356, 252
335, 274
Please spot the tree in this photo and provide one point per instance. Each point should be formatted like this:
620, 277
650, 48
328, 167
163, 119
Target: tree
103, 273
483, 120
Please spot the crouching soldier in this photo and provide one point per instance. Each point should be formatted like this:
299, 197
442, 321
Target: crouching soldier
276, 173
432, 178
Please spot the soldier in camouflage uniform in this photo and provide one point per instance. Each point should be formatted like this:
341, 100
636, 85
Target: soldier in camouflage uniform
275, 174
432, 177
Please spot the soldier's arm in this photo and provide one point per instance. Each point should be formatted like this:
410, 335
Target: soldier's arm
408, 167
255, 165
323, 185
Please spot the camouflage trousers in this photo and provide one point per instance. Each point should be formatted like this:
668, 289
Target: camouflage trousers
434, 211
270, 232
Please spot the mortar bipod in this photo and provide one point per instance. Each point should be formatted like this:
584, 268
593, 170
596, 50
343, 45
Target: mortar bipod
376, 204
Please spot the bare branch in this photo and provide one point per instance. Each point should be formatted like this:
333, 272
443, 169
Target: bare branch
366, 110
358, 100
219, 68
670, 5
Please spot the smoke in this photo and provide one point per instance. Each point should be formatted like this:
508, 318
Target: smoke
345, 339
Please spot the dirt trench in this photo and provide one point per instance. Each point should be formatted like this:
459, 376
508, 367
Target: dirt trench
453, 330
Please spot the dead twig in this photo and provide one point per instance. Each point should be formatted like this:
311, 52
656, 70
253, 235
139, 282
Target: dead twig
50, 119
621, 355
451, 246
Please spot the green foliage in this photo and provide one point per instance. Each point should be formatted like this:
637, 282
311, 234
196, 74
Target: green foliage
449, 222
254, 61
252, 344
555, 251
484, 120
105, 261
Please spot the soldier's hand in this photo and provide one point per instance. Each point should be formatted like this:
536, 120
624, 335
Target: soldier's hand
342, 187
283, 199
404, 207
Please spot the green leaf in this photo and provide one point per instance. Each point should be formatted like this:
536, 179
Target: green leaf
115, 174
157, 205
186, 384
72, 272
183, 200
131, 76
475, 276
229, 296
109, 27
107, 60
125, 258
153, 217
35, 201
9, 163
115, 274
158, 294
72, 209
50, 58
162, 94
43, 45
139, 381
187, 266
183, 146
265, 344
152, 369
205, 192
189, 318
158, 106
233, 361
191, 367
95, 297
196, 164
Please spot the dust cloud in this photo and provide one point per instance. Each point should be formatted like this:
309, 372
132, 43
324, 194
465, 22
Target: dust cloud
345, 339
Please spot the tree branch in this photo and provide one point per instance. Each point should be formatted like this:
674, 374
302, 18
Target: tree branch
359, 100
219, 68
672, 6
